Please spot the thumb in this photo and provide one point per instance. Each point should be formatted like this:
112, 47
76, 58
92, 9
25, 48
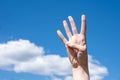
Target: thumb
76, 46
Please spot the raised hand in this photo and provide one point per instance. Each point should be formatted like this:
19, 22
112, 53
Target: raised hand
77, 48
76, 44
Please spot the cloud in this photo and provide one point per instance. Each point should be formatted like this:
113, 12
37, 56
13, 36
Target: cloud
97, 71
45, 65
24, 56
68, 78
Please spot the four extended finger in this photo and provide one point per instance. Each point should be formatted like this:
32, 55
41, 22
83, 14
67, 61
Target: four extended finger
61, 36
67, 29
83, 25
74, 29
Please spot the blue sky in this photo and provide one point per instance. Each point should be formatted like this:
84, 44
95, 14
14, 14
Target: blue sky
38, 20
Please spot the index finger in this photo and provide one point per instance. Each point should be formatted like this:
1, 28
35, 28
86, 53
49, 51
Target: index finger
61, 36
83, 25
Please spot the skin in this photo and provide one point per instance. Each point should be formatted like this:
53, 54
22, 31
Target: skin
76, 48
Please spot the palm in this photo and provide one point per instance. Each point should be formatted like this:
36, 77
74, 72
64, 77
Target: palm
76, 45
77, 56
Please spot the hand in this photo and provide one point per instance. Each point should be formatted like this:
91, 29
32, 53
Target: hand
76, 45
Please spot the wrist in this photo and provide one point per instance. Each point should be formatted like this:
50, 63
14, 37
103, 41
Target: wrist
80, 73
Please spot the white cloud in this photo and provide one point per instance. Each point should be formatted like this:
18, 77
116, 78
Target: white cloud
68, 78
55, 78
97, 71
24, 56
45, 65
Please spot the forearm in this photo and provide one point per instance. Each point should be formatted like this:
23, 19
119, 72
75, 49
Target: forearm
80, 74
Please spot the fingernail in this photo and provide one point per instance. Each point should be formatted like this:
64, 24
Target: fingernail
69, 17
58, 31
83, 17
64, 21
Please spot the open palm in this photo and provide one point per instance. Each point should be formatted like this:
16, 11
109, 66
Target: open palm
76, 45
